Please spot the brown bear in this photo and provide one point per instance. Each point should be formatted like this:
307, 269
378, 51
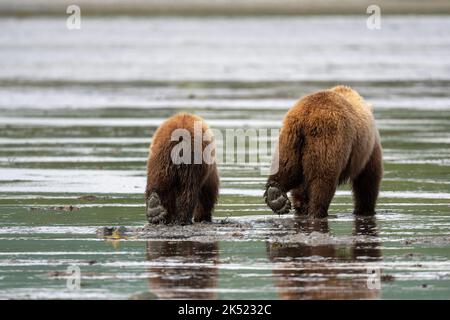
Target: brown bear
327, 138
181, 182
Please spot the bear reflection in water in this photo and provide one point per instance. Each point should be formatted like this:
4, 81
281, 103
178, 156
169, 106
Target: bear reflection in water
183, 269
189, 270
303, 271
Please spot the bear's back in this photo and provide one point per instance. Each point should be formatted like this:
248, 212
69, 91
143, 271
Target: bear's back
367, 134
179, 121
322, 113
340, 113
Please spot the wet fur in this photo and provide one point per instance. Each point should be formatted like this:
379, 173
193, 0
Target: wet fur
177, 193
327, 138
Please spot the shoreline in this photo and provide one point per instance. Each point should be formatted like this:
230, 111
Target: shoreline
221, 7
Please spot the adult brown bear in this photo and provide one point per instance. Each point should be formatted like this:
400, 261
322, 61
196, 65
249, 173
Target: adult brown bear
327, 138
182, 178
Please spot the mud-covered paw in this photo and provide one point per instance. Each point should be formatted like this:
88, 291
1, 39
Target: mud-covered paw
156, 213
277, 200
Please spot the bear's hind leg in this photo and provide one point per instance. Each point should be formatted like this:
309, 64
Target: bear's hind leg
288, 177
186, 202
300, 197
321, 192
207, 198
324, 162
188, 192
367, 184
287, 170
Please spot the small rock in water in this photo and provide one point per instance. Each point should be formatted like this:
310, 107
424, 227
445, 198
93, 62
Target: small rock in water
111, 231
88, 198
413, 255
57, 274
68, 208
387, 278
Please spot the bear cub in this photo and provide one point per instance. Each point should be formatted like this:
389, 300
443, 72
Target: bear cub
181, 183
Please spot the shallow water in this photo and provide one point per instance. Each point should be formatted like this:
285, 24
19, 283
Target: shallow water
78, 108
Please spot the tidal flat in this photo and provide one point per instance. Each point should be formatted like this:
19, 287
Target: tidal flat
77, 112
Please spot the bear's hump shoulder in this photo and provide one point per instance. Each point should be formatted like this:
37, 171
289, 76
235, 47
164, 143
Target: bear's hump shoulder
352, 96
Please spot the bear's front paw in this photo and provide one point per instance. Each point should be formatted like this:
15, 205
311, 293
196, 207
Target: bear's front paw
156, 213
277, 200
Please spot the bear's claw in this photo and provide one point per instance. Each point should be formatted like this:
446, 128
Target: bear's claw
277, 200
156, 213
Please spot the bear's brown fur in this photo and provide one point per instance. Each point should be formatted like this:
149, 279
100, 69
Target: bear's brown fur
327, 138
176, 193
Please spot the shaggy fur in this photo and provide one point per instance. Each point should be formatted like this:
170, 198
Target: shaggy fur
176, 193
327, 138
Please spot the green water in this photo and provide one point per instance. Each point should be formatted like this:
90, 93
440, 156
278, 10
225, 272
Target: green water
76, 119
